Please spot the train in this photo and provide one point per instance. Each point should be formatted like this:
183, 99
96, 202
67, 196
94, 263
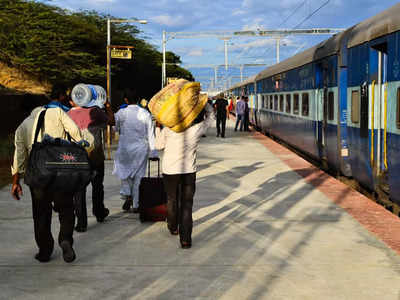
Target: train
339, 103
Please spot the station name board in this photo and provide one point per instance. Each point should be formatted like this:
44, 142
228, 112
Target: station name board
121, 53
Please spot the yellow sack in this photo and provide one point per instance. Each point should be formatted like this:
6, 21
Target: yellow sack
178, 104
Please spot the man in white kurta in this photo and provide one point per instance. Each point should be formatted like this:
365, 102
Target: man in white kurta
136, 145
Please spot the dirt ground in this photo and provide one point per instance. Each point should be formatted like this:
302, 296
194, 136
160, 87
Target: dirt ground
6, 153
5, 173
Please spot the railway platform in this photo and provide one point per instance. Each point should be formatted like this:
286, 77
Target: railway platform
267, 225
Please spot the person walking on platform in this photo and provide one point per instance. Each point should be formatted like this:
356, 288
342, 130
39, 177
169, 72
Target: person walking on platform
246, 114
230, 107
221, 108
240, 111
91, 119
135, 146
179, 172
56, 124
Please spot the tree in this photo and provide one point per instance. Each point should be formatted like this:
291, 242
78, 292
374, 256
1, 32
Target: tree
58, 45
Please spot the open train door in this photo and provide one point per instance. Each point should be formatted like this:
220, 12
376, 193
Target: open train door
378, 116
321, 112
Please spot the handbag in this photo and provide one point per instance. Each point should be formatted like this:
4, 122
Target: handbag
57, 164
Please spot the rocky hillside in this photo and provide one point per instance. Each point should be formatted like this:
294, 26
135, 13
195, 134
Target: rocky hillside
18, 81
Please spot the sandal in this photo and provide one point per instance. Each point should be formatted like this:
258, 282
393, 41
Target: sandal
127, 204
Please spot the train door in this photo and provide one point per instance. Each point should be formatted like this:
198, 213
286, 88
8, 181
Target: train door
321, 111
259, 107
378, 116
254, 109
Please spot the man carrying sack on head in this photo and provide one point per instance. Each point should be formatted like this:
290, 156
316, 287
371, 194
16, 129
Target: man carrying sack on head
186, 116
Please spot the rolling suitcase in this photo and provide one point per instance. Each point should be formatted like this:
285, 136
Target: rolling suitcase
152, 197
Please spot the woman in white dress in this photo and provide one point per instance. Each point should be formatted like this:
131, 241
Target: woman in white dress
136, 145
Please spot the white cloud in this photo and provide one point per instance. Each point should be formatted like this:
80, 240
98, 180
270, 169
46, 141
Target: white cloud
100, 2
238, 12
247, 3
195, 52
190, 51
255, 26
257, 45
168, 20
260, 43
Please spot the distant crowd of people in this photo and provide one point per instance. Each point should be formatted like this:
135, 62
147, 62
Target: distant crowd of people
223, 109
139, 140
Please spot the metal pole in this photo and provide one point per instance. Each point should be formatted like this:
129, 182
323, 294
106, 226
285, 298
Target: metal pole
215, 75
277, 49
108, 60
241, 72
226, 54
164, 71
109, 70
109, 83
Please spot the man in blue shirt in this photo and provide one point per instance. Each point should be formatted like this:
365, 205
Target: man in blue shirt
240, 111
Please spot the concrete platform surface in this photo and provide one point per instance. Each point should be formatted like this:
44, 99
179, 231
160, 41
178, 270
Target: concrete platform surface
262, 231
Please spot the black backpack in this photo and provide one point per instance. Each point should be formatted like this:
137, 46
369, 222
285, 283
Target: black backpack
57, 164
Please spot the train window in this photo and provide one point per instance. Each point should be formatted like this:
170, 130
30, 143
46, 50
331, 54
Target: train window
331, 106
275, 102
281, 105
296, 104
288, 103
304, 104
355, 107
398, 109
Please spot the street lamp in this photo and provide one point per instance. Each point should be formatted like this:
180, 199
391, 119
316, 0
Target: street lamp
109, 21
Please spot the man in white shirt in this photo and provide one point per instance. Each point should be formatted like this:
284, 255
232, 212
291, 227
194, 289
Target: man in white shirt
135, 146
57, 124
179, 169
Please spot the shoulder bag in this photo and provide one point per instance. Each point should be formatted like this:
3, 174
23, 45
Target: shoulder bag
57, 164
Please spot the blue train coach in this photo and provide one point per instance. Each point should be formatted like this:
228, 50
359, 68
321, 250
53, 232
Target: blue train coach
339, 102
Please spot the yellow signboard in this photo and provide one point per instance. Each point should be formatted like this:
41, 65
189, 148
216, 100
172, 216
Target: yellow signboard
121, 53
171, 79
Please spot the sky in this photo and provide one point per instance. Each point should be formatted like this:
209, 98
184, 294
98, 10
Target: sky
232, 15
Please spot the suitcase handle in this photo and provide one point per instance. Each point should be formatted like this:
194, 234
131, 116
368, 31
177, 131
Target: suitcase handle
157, 159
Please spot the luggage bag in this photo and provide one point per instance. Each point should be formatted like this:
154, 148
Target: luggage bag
152, 197
57, 164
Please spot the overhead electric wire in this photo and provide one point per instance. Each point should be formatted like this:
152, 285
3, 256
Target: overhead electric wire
305, 19
226, 76
295, 11
283, 22
313, 13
